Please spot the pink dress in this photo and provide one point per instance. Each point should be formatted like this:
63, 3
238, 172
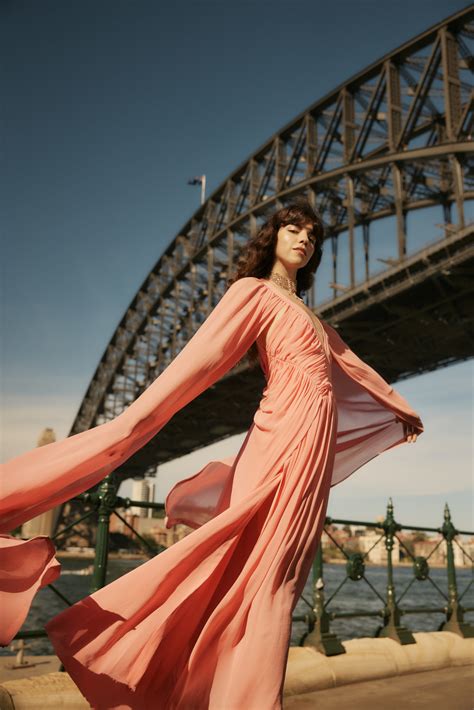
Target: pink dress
206, 624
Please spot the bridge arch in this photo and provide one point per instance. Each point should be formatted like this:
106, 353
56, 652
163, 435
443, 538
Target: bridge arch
393, 139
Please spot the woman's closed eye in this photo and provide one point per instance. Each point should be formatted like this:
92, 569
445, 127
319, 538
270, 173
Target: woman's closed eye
310, 235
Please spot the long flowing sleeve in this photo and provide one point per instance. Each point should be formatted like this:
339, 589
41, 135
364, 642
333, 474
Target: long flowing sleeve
25, 567
370, 411
44, 477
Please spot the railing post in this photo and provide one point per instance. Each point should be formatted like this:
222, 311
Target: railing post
107, 500
391, 614
319, 635
454, 611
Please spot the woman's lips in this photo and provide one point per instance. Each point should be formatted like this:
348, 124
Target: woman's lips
302, 251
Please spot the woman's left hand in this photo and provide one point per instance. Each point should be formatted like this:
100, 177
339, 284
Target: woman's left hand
409, 431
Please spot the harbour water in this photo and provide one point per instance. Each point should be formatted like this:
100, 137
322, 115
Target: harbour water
76, 578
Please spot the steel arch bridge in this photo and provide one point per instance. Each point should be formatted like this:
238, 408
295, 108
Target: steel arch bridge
392, 140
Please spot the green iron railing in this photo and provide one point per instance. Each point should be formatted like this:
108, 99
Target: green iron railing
105, 501
318, 619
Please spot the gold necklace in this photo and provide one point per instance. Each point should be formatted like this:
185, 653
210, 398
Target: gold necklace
285, 283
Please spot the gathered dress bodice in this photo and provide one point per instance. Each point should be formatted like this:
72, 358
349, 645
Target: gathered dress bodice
293, 345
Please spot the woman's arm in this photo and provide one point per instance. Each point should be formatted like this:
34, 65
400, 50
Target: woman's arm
52, 474
365, 375
372, 416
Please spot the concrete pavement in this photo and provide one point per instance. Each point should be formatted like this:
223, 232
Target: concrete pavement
445, 689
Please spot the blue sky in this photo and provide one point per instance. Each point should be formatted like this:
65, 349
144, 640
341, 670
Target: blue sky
108, 109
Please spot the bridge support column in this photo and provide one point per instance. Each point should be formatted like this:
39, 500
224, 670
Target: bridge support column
399, 210
458, 185
351, 227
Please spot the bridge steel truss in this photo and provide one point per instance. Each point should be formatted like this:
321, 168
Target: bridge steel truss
394, 138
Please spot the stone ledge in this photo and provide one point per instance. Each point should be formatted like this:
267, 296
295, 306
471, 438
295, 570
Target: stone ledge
373, 658
52, 691
307, 670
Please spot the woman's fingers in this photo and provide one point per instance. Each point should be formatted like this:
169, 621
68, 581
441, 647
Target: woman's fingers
409, 432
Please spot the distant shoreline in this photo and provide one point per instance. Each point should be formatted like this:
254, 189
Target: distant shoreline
90, 555
140, 556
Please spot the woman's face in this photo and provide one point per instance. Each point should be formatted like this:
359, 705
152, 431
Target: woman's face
295, 245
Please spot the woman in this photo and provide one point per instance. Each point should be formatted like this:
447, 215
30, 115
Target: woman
206, 624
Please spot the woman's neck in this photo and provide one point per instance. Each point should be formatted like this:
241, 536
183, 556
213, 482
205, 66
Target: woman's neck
284, 281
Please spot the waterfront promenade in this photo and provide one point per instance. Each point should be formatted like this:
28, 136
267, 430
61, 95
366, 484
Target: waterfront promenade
435, 673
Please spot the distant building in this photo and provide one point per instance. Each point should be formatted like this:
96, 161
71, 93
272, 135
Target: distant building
431, 549
372, 543
464, 553
45, 523
151, 497
143, 490
148, 526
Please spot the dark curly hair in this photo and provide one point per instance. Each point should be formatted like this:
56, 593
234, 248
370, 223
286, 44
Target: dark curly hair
258, 257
